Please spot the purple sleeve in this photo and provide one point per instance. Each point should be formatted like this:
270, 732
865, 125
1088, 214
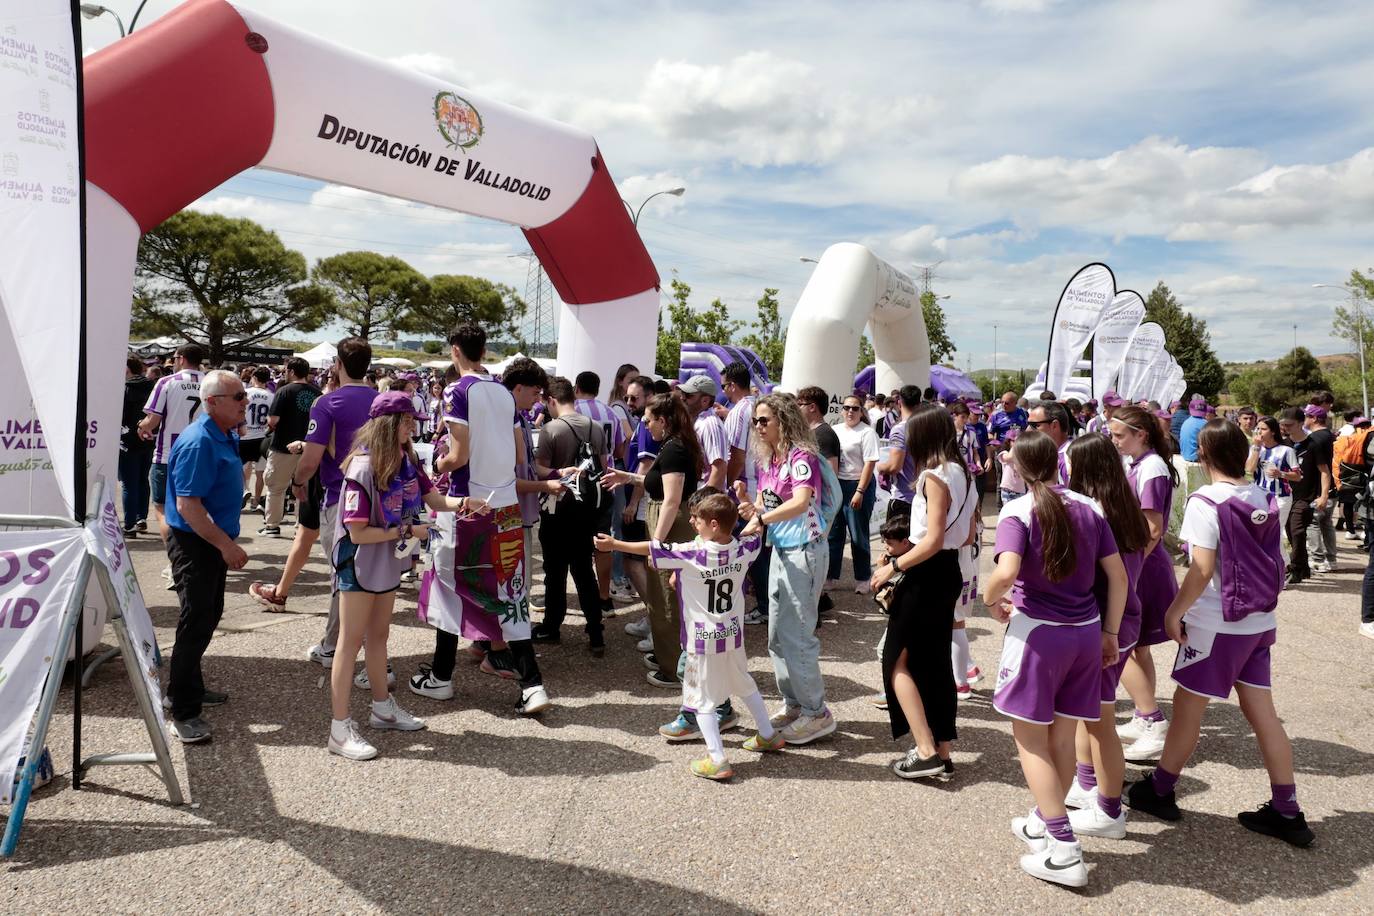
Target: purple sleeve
669, 556
751, 546
1012, 535
456, 404
1106, 541
805, 470
896, 437
321, 426
1156, 495
157, 401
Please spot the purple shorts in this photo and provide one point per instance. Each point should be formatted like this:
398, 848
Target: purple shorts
1111, 677
1212, 663
1049, 671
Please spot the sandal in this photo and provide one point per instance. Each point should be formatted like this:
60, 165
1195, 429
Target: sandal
267, 596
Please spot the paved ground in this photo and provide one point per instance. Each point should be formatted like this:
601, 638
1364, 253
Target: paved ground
586, 809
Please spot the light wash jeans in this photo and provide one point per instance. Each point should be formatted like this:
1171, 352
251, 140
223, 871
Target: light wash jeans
794, 587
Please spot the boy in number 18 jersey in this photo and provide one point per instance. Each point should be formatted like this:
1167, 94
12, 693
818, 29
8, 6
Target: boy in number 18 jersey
711, 572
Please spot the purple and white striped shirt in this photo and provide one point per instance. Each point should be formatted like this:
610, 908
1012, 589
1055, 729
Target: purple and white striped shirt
711, 434
600, 412
710, 587
176, 399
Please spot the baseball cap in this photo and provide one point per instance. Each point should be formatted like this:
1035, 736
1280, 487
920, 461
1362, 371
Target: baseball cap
975, 408
393, 402
1112, 399
1162, 414
1360, 421
1197, 406
699, 384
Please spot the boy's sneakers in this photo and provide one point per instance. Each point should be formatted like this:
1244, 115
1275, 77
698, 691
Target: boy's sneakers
425, 684
1141, 796
499, 663
761, 745
362, 683
638, 628
1059, 862
1030, 830
707, 768
680, 729
321, 656
345, 741
1292, 830
805, 729
1093, 821
914, 766
1150, 744
391, 715
659, 680
1079, 797
533, 700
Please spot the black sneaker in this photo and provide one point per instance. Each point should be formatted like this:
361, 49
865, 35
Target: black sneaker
1292, 830
667, 683
214, 698
539, 634
130, 533
271, 531
1141, 796
826, 603
1295, 578
141, 524
914, 766
245, 502
192, 731
596, 644
949, 767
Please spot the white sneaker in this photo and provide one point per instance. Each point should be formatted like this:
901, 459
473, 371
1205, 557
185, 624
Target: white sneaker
863, 588
1321, 566
1079, 797
425, 684
621, 592
321, 656
1354, 536
638, 628
805, 729
166, 572
362, 683
1367, 629
755, 617
784, 717
1060, 863
1030, 830
646, 644
345, 741
533, 700
1150, 744
1093, 821
391, 715
1132, 730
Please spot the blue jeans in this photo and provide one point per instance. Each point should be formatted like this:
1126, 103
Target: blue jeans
795, 577
856, 524
134, 466
1367, 594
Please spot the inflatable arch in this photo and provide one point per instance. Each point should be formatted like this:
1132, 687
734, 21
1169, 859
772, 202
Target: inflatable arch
851, 287
213, 89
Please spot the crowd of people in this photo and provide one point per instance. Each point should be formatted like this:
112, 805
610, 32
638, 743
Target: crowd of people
723, 507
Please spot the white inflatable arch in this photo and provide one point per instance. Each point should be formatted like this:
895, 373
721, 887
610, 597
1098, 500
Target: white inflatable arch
850, 288
212, 89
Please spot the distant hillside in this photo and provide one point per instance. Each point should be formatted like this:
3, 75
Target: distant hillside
1328, 362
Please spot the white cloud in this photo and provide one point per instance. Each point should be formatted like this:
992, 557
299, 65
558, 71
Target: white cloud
1224, 285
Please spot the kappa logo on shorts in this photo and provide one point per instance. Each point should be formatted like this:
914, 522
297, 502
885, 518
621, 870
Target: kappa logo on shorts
1189, 653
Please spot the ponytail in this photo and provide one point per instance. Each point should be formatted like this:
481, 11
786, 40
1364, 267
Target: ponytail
1141, 419
1037, 460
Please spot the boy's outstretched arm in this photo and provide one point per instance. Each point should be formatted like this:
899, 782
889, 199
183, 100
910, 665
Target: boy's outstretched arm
605, 543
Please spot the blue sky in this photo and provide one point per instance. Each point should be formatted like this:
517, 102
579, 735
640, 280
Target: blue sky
1224, 147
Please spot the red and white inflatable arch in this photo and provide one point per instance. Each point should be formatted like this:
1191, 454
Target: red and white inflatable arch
213, 89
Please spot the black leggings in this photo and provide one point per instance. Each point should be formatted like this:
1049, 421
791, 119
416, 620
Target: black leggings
922, 623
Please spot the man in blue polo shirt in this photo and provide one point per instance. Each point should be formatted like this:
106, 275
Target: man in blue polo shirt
204, 496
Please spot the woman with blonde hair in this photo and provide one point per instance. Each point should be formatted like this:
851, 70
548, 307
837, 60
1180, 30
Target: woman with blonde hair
788, 507
378, 531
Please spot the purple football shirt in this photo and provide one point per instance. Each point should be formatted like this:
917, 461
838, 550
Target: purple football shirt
1070, 600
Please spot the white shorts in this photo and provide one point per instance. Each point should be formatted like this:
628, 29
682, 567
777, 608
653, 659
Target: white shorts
968, 569
711, 679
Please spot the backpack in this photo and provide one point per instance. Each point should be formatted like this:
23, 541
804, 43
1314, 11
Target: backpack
831, 496
586, 489
1248, 557
1350, 461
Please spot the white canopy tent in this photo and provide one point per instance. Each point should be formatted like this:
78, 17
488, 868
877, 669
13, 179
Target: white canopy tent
396, 362
320, 355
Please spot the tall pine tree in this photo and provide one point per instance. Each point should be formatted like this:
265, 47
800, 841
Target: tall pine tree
1187, 340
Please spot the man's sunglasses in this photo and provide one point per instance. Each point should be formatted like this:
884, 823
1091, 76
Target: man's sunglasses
240, 396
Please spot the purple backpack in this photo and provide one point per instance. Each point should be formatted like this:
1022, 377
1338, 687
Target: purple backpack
1248, 556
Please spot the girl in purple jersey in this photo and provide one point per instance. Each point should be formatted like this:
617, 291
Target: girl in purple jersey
1147, 453
1224, 620
1051, 544
1095, 470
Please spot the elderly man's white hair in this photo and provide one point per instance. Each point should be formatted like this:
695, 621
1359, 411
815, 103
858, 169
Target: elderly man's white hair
216, 382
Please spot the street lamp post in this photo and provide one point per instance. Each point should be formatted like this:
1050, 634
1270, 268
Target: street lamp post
1359, 336
634, 213
95, 11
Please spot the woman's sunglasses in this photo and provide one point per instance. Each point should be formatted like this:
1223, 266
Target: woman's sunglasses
762, 421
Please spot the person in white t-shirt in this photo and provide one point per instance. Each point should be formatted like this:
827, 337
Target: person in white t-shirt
251, 434
858, 459
1225, 633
